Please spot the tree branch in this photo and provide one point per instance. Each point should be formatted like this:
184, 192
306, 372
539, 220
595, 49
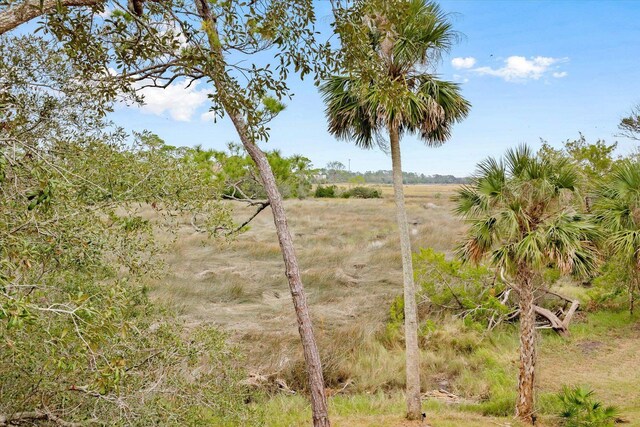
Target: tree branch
14, 16
261, 207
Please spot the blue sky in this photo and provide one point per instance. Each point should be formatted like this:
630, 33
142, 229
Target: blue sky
530, 69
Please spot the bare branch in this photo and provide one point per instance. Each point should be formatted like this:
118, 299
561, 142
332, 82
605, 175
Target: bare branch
24, 417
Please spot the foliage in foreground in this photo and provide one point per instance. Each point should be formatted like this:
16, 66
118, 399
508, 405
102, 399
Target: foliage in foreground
236, 173
470, 291
580, 409
524, 216
80, 340
617, 209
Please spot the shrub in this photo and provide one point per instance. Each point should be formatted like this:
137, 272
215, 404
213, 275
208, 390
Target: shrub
326, 191
610, 287
449, 285
579, 409
362, 193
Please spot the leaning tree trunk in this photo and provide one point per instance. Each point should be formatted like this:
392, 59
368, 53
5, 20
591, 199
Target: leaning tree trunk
526, 377
414, 409
310, 349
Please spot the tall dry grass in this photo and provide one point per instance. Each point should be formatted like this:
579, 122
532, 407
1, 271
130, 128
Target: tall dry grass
351, 267
350, 260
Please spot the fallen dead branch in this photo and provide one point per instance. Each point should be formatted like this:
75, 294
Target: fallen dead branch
558, 321
30, 416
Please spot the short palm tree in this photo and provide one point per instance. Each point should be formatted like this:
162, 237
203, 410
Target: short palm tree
617, 209
387, 47
522, 218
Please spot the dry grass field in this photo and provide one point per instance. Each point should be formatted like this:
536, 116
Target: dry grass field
349, 259
349, 256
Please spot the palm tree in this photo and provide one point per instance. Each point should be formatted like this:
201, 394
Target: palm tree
522, 217
617, 209
387, 47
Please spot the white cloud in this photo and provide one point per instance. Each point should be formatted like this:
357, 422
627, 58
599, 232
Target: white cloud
559, 74
461, 63
519, 68
180, 101
209, 116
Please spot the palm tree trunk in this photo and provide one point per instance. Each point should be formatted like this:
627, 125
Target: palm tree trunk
633, 285
526, 378
414, 408
305, 328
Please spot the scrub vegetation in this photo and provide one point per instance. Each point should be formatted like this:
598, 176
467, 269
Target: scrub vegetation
148, 284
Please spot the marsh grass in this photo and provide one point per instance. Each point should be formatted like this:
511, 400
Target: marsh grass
351, 269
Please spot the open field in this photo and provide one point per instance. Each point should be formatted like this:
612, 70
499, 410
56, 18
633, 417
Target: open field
352, 270
348, 257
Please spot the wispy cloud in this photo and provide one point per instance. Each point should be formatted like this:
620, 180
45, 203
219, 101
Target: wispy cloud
459, 78
520, 68
460, 63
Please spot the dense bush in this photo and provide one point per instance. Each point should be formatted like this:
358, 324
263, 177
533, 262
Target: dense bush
361, 193
358, 192
329, 191
470, 291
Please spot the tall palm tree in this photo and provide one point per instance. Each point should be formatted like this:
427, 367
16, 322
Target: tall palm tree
617, 209
387, 47
523, 218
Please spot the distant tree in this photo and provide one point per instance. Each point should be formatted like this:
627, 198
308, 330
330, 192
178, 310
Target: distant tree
336, 166
630, 126
357, 180
387, 47
302, 172
617, 208
335, 170
237, 173
593, 160
522, 217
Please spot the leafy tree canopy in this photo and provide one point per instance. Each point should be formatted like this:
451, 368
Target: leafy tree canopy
78, 204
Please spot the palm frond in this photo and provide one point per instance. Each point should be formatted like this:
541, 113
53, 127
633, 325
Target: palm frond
522, 216
424, 33
385, 82
480, 241
469, 202
569, 242
349, 118
444, 106
617, 210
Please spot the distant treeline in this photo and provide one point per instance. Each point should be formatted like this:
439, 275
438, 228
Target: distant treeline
385, 177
